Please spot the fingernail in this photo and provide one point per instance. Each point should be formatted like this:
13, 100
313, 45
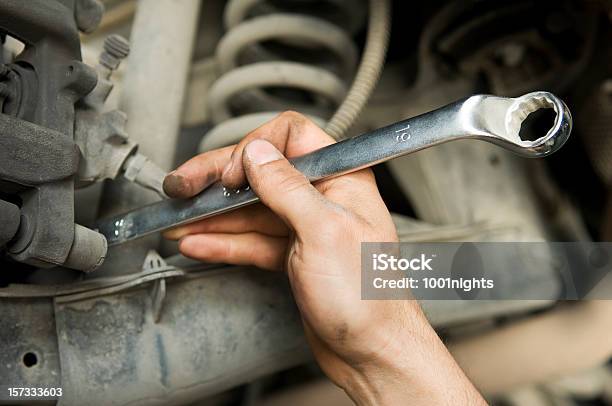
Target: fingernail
260, 152
175, 185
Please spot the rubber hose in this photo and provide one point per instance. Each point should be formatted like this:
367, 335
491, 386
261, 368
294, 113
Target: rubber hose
370, 69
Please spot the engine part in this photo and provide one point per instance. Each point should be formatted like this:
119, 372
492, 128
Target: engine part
39, 157
88, 14
309, 81
515, 46
101, 135
9, 218
488, 118
88, 250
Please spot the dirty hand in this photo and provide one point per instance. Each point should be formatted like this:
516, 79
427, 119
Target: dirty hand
378, 351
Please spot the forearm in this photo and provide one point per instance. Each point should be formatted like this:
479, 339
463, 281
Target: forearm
417, 371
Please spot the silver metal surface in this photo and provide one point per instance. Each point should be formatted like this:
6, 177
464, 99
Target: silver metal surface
488, 118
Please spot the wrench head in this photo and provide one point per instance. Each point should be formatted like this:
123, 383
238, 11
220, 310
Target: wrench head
556, 136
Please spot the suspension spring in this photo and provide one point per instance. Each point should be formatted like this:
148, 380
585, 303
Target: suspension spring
273, 59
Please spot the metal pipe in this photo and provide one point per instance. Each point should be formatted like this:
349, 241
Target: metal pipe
216, 331
154, 85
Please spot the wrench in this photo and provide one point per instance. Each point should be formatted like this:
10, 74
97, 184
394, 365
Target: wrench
483, 117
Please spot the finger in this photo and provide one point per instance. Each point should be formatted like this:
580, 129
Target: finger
237, 249
256, 218
198, 173
290, 132
283, 188
344, 190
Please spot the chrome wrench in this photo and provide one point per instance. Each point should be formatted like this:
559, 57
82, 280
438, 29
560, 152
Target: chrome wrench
489, 118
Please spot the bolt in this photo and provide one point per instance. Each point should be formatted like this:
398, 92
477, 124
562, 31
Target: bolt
116, 48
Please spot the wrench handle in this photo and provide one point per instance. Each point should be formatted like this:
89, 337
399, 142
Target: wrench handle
380, 145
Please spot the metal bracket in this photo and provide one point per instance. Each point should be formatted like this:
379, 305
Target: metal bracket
154, 263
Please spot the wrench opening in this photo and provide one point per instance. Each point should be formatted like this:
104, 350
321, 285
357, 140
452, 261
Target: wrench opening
537, 123
525, 105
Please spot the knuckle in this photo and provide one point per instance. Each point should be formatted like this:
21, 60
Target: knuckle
335, 225
283, 177
300, 126
292, 182
291, 115
297, 123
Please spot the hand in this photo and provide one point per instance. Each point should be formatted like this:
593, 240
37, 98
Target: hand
378, 351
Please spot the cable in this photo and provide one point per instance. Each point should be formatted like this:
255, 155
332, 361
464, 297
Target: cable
369, 71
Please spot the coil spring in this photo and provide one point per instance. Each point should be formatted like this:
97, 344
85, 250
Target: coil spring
271, 60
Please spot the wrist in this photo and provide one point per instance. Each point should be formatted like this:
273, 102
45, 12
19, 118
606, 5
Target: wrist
388, 379
414, 369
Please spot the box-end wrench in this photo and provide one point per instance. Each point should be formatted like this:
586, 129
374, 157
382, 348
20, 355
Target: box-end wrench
483, 117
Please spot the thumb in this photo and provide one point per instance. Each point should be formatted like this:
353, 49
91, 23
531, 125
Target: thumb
281, 187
